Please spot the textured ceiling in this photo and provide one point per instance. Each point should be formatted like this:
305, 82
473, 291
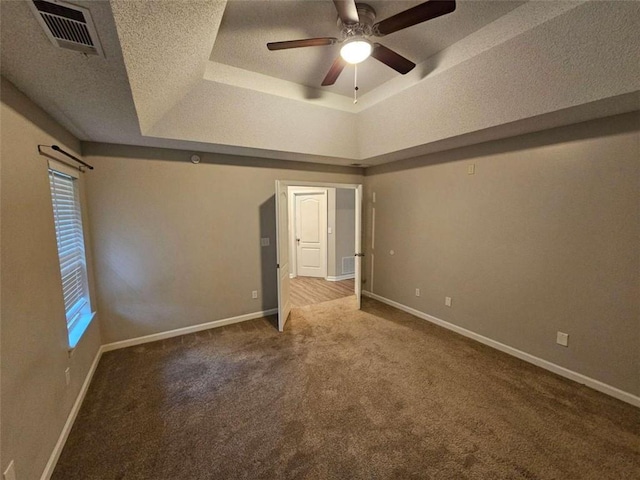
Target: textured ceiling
247, 26
196, 75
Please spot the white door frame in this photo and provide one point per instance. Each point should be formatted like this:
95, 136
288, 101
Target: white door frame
284, 303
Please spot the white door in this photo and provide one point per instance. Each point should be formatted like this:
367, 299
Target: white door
311, 234
282, 254
358, 247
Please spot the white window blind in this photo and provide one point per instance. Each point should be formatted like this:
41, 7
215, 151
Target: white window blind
68, 222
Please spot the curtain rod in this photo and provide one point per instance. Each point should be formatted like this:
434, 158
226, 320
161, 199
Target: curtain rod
58, 149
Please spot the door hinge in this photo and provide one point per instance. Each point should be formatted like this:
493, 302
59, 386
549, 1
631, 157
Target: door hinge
359, 254
277, 265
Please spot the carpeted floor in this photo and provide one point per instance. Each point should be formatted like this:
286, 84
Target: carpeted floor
342, 394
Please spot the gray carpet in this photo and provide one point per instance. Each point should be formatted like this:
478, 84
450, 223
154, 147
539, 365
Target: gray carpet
342, 394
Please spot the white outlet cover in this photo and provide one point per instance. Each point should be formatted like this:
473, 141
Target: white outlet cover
447, 301
264, 242
254, 294
471, 169
417, 292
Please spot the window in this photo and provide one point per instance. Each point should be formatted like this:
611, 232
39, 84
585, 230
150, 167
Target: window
70, 238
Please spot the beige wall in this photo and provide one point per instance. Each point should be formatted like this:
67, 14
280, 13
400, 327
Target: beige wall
178, 244
345, 226
341, 220
35, 399
544, 237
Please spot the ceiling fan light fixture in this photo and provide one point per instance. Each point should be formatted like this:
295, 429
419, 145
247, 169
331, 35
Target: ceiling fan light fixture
356, 50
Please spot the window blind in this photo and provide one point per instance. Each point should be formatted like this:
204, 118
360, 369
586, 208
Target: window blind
70, 239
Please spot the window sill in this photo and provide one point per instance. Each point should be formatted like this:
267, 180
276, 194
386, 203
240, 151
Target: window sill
75, 334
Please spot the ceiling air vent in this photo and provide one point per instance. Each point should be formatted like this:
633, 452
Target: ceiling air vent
68, 26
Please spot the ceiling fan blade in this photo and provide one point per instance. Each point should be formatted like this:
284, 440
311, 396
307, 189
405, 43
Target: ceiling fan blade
347, 11
392, 59
418, 14
334, 72
307, 42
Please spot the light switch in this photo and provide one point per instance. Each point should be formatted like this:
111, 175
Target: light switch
264, 242
562, 339
329, 230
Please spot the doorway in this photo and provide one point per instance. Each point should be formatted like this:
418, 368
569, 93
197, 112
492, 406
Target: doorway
318, 256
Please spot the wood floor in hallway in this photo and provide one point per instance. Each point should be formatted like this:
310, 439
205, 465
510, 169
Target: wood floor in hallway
311, 290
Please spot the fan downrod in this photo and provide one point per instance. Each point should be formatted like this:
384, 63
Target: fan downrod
367, 15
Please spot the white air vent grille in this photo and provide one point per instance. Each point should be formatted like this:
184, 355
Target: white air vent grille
348, 265
68, 26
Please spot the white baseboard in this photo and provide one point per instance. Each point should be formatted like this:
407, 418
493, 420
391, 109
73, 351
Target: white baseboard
184, 331
62, 439
552, 367
57, 450
337, 278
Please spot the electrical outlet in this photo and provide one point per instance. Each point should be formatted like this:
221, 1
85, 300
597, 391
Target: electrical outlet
471, 169
417, 292
264, 242
67, 375
10, 472
447, 301
254, 294
562, 339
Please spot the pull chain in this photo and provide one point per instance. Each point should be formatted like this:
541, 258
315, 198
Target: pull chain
355, 83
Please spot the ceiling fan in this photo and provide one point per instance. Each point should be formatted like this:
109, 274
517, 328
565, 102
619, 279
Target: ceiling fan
356, 23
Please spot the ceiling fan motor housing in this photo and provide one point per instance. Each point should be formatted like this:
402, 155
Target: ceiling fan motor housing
364, 27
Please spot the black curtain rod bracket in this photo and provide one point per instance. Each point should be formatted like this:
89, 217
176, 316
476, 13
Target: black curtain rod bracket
72, 157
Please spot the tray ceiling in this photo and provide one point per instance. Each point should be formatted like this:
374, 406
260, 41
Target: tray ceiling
196, 75
247, 26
